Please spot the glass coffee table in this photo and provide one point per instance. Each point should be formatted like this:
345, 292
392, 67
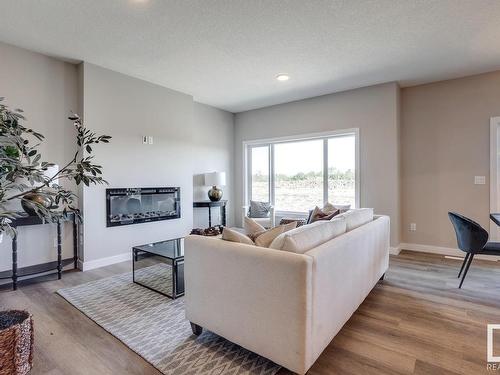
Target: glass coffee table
159, 266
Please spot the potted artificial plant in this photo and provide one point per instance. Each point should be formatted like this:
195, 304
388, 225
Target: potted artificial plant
23, 176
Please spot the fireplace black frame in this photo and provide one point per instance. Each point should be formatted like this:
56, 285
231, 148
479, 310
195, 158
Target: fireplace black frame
134, 191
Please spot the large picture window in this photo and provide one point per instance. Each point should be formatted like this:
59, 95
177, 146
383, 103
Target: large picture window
297, 174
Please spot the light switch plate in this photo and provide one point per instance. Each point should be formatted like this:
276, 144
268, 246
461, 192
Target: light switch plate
144, 139
479, 180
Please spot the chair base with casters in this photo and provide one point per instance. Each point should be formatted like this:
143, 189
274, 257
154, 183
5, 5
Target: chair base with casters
472, 239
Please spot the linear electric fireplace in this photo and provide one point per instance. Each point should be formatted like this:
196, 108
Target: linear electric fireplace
140, 205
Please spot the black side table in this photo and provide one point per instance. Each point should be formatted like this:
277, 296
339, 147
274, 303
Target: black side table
24, 220
209, 205
495, 217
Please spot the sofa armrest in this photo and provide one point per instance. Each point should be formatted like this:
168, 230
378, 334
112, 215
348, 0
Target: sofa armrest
256, 297
345, 271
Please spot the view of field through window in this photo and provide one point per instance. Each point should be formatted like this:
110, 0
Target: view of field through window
298, 173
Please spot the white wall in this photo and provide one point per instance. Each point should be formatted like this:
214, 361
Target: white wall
186, 142
214, 140
46, 89
374, 110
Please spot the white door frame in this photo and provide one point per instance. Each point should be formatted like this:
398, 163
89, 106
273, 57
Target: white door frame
494, 178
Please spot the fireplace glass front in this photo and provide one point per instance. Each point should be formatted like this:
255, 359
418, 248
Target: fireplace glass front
139, 205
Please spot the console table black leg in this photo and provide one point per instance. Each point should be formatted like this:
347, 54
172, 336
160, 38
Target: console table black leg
59, 250
174, 280
14, 262
75, 243
209, 217
223, 215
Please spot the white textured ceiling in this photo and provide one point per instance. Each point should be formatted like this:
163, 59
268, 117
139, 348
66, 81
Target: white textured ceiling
226, 53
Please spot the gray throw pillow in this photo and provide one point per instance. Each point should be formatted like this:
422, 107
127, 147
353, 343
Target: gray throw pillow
259, 209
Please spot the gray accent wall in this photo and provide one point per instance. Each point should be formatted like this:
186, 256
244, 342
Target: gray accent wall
374, 110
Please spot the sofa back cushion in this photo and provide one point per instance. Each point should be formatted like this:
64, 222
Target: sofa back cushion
357, 217
304, 238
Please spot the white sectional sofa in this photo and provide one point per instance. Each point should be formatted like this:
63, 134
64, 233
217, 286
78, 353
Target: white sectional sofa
286, 306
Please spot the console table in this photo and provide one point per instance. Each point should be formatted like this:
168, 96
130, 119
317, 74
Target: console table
25, 220
209, 204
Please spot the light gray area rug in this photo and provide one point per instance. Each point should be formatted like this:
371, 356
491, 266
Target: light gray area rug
155, 327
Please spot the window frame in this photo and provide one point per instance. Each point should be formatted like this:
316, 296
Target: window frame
270, 142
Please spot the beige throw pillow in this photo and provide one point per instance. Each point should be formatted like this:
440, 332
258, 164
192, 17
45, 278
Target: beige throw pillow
321, 214
252, 227
232, 235
265, 238
328, 207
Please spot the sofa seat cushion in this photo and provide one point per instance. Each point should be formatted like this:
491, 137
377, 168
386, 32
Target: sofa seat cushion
357, 217
304, 238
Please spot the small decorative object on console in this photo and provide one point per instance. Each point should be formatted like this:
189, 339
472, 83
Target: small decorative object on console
212, 231
215, 179
16, 342
35, 199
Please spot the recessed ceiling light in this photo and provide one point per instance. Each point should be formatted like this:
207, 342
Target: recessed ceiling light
282, 77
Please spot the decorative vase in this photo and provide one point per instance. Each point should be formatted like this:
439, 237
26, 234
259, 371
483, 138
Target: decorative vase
215, 194
16, 342
35, 198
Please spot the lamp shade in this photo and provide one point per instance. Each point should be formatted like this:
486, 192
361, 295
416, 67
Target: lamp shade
215, 179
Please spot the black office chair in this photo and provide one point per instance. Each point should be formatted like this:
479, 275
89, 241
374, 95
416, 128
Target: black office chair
472, 239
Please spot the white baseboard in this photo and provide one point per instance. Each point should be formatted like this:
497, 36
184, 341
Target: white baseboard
395, 250
443, 251
102, 262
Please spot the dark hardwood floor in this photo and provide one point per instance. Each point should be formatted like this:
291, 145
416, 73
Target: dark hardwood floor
416, 321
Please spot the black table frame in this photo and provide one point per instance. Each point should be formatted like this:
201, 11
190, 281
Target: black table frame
177, 267
495, 217
222, 204
25, 220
